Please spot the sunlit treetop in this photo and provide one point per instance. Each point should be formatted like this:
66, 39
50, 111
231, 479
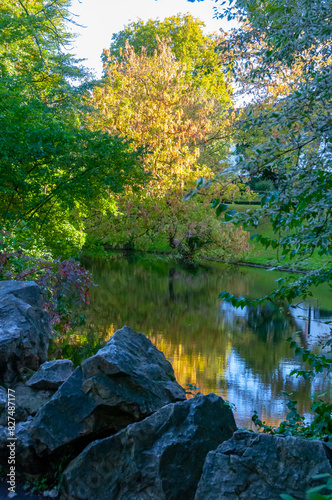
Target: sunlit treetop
198, 51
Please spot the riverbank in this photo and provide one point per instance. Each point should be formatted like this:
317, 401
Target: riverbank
266, 257
256, 256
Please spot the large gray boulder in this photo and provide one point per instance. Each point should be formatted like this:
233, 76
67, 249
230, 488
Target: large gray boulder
123, 383
261, 467
160, 458
24, 329
51, 375
28, 291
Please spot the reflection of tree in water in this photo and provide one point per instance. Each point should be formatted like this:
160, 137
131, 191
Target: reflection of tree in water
269, 322
172, 273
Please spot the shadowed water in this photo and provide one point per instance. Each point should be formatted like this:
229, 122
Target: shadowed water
239, 354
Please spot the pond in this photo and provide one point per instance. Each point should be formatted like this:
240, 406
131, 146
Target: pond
240, 355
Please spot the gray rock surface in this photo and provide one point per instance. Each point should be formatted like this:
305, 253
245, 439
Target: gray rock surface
25, 455
24, 329
27, 403
123, 383
160, 458
51, 375
3, 400
28, 291
261, 467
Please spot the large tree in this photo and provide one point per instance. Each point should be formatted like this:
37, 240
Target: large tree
150, 100
190, 45
53, 168
203, 64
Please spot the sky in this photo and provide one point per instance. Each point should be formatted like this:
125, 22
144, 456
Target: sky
102, 18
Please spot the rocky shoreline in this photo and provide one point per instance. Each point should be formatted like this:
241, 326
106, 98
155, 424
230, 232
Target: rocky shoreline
122, 427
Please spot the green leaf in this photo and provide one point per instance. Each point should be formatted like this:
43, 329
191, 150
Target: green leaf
221, 208
317, 496
229, 215
318, 488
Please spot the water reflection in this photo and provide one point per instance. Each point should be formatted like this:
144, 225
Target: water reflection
240, 354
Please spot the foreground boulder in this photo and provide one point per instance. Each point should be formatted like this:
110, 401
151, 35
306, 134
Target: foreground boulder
24, 329
159, 458
123, 383
262, 466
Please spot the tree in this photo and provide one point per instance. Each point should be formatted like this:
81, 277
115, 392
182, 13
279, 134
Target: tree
149, 100
197, 51
53, 168
203, 65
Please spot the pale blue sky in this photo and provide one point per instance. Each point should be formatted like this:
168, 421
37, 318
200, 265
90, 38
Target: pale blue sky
104, 17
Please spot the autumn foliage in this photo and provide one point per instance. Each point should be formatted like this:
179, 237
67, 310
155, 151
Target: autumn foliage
148, 100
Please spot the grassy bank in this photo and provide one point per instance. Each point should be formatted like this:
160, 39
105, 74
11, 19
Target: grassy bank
256, 255
269, 256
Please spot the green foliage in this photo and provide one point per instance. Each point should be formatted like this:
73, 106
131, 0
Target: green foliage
295, 425
65, 284
259, 185
317, 363
53, 169
188, 228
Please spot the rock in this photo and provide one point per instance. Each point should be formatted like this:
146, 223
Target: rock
262, 466
25, 456
3, 401
123, 383
51, 375
28, 291
24, 329
159, 458
27, 403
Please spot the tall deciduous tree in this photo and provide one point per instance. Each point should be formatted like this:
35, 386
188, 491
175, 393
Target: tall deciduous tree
203, 64
150, 100
52, 166
198, 51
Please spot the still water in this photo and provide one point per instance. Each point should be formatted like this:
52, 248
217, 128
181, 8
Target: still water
240, 355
